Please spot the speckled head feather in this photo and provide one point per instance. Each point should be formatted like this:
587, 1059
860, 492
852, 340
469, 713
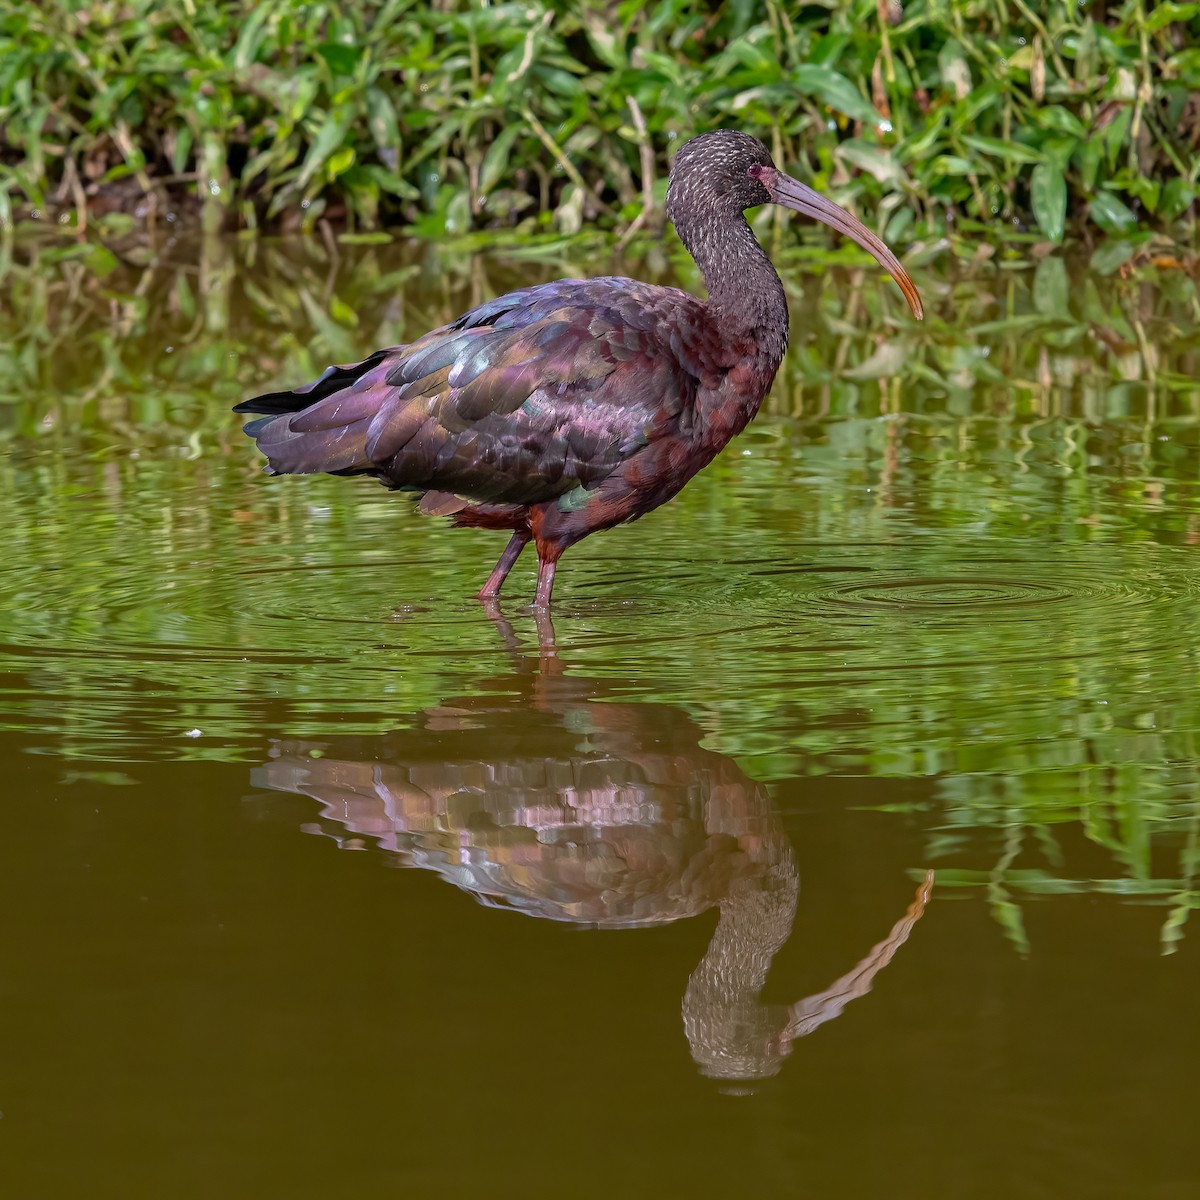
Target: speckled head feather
711, 174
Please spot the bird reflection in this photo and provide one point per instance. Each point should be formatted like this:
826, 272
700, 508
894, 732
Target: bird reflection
541, 798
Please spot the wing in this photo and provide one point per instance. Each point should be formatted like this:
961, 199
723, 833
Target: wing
523, 399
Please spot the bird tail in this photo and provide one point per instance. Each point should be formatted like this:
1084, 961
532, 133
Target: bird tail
323, 425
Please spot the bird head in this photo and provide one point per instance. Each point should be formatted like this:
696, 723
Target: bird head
724, 172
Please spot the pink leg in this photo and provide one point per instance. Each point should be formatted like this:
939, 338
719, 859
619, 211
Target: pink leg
495, 581
545, 583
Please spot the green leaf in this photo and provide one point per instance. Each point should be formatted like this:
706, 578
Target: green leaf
604, 41
182, 148
1148, 191
245, 51
378, 238
1048, 193
1112, 215
98, 259
1010, 324
1058, 150
342, 60
919, 146
812, 79
458, 214
950, 164
340, 161
1088, 160
1057, 119
495, 161
1163, 15
329, 137
1001, 148
887, 360
381, 120
763, 62
1051, 289
1114, 253
1177, 196
872, 159
388, 181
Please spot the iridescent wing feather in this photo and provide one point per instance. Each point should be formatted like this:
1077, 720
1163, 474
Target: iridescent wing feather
522, 400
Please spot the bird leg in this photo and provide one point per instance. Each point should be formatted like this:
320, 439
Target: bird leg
495, 581
545, 582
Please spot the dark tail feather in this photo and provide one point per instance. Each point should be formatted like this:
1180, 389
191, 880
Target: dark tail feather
298, 399
255, 427
322, 426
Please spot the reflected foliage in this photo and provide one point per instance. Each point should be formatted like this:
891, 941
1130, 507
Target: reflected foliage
170, 327
958, 557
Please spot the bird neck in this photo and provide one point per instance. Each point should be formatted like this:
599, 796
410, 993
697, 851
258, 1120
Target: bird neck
730, 1031
745, 296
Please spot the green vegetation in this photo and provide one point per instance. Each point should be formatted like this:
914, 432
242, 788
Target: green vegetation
943, 118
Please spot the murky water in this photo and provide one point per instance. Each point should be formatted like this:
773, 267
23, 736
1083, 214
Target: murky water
937, 611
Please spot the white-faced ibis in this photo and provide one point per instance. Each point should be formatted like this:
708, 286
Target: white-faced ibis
568, 407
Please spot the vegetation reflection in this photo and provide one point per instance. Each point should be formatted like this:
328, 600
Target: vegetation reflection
959, 555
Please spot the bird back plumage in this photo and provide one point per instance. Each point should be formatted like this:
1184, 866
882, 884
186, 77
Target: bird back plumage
523, 399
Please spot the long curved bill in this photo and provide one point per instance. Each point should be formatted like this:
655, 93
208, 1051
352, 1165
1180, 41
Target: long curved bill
791, 193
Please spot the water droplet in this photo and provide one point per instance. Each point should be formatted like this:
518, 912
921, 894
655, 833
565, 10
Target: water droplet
886, 126
170, 350
171, 217
36, 214
63, 218
214, 187
305, 203
1021, 41
193, 733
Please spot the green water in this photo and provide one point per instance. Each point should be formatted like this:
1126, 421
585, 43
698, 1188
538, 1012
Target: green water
938, 610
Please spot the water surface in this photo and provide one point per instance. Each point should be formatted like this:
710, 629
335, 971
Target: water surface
664, 922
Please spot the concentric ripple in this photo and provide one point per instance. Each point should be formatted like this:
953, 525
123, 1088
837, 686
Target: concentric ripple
936, 593
1101, 589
